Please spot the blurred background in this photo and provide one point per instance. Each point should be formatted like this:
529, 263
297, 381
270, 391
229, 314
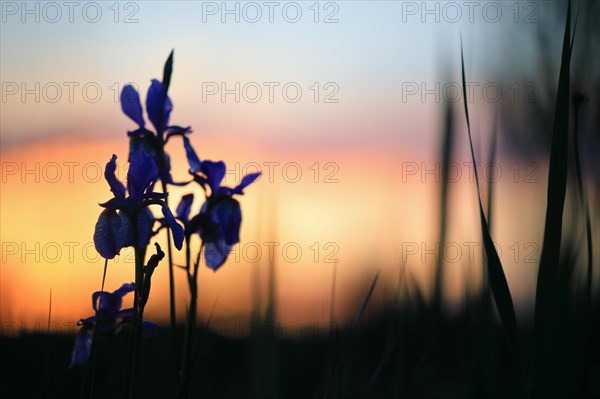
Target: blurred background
342, 106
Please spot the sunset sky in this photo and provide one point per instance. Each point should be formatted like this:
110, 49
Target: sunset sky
347, 161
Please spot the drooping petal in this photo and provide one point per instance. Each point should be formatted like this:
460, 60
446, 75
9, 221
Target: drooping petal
115, 203
145, 222
220, 231
176, 229
81, 348
175, 130
215, 172
192, 157
215, 253
149, 329
107, 306
246, 181
131, 105
158, 105
227, 214
141, 174
184, 207
239, 189
111, 233
117, 188
124, 289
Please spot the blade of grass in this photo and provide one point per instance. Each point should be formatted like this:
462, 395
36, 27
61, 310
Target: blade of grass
366, 301
446, 158
497, 279
578, 101
492, 158
547, 307
324, 389
45, 380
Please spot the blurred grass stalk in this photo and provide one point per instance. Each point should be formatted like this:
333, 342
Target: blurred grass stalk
552, 375
497, 279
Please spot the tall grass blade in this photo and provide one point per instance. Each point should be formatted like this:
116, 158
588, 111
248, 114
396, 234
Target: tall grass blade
497, 280
447, 145
578, 101
548, 308
366, 301
323, 390
46, 376
492, 158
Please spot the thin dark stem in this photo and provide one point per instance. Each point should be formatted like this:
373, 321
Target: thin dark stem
134, 345
584, 206
104, 274
192, 270
172, 310
332, 304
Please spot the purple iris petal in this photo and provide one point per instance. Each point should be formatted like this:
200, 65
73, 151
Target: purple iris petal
145, 222
221, 231
227, 214
115, 203
239, 189
149, 329
130, 104
193, 160
124, 289
177, 130
116, 186
81, 348
215, 253
175, 227
142, 173
215, 172
246, 181
184, 207
158, 105
111, 233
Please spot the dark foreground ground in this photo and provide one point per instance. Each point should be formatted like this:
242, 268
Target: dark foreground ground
381, 358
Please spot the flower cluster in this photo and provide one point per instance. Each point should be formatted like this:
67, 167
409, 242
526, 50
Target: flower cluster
127, 221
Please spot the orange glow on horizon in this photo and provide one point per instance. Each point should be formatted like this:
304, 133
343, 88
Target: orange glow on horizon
354, 211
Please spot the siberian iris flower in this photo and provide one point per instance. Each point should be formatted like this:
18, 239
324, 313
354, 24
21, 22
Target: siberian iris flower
158, 108
220, 217
106, 321
126, 220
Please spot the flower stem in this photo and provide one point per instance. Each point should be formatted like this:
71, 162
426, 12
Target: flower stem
173, 315
135, 344
192, 274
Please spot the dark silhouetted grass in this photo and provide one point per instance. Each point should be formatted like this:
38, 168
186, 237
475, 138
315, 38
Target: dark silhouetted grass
497, 280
